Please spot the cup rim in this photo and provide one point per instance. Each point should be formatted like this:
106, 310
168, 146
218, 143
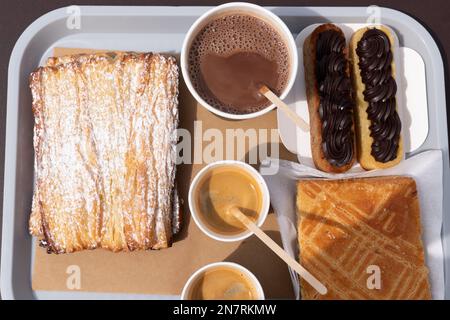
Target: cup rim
262, 214
233, 265
290, 43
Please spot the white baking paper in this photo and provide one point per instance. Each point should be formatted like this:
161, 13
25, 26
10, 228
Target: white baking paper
425, 168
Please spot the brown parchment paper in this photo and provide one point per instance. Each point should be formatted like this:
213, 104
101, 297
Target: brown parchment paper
165, 272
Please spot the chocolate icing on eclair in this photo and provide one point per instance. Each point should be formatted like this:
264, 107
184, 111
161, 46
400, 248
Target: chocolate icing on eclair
336, 104
375, 59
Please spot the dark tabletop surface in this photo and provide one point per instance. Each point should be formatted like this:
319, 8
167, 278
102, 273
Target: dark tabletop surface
16, 15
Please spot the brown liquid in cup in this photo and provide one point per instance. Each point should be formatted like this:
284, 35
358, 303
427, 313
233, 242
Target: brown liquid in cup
222, 283
232, 56
219, 189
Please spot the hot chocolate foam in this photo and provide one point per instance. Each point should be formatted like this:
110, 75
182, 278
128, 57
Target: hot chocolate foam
229, 36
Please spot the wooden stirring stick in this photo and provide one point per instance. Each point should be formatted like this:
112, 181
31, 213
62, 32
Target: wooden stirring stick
316, 284
272, 97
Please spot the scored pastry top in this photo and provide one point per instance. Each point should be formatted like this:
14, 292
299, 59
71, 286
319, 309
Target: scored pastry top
347, 228
375, 62
336, 105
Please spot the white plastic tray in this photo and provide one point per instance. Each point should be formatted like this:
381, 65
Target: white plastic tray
158, 29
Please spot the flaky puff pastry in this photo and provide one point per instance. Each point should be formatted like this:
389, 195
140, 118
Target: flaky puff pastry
349, 228
105, 150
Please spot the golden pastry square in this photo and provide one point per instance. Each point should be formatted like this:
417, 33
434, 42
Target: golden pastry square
362, 238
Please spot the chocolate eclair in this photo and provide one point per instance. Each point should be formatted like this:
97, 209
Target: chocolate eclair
378, 125
330, 102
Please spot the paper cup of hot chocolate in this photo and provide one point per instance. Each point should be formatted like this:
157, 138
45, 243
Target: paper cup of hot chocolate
233, 49
218, 187
222, 281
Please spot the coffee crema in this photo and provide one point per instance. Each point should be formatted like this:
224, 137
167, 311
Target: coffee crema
232, 56
221, 188
222, 283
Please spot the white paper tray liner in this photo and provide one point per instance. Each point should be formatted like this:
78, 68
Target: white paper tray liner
425, 168
411, 99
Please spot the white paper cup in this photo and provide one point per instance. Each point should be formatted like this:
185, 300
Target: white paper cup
255, 11
195, 212
248, 275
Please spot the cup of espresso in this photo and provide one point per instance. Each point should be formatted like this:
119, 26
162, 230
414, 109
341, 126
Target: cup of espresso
222, 281
233, 49
218, 187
